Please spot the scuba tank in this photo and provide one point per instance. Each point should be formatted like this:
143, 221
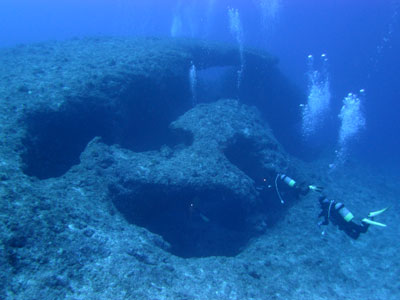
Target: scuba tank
286, 179
344, 212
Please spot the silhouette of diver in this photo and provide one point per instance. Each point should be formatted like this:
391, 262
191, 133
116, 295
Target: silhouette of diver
331, 210
344, 219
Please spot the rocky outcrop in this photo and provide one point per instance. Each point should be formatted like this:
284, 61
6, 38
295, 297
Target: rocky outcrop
104, 163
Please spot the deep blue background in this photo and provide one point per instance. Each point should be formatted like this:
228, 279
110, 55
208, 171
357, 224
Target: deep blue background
361, 39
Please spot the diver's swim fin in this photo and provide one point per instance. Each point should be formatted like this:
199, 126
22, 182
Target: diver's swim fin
376, 213
368, 221
315, 188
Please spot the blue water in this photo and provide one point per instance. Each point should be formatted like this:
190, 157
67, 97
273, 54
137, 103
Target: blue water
361, 40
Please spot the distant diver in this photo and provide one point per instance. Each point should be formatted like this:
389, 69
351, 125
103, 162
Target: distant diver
300, 188
331, 210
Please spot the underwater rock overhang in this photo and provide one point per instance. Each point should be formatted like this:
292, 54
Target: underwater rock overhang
199, 198
128, 92
125, 90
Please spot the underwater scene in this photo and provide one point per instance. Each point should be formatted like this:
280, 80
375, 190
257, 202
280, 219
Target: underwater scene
199, 149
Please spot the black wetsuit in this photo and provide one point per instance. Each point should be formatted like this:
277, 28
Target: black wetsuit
330, 211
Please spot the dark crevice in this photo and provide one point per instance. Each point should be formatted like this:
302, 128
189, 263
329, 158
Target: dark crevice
138, 120
55, 140
245, 154
196, 224
216, 83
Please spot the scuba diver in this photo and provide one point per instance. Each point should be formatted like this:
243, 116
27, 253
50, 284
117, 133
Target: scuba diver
301, 189
344, 219
331, 210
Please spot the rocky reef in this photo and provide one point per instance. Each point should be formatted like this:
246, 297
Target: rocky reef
113, 186
99, 141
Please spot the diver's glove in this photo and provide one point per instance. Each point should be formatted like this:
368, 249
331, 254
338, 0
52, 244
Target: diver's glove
315, 188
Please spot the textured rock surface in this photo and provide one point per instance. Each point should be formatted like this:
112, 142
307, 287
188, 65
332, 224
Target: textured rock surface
194, 195
98, 203
72, 202
60, 95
